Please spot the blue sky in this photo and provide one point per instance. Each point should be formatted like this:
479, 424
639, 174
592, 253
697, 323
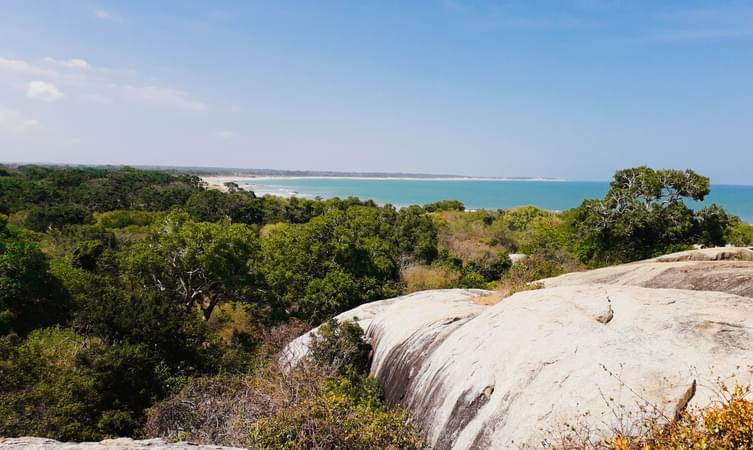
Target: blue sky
573, 89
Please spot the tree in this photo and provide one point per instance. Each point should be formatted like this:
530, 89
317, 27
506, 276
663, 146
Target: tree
644, 215
334, 262
29, 296
197, 263
213, 205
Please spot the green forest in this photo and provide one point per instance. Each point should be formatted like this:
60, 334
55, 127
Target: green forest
127, 294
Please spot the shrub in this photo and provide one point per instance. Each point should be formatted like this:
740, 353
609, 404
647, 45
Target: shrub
333, 420
490, 266
126, 218
86, 254
740, 234
420, 277
44, 218
472, 280
340, 346
445, 205
725, 425
30, 296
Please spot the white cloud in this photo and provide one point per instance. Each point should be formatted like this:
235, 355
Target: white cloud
102, 14
224, 134
42, 90
12, 122
167, 96
19, 66
73, 63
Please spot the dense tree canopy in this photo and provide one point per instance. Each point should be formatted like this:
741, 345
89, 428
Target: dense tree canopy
197, 263
644, 215
29, 296
122, 289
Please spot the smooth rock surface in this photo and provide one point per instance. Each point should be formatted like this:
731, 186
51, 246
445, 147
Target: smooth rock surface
34, 443
725, 269
441, 300
594, 349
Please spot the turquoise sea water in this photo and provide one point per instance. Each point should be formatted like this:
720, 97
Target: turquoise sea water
476, 194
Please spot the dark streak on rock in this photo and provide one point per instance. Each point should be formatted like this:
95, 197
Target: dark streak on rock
464, 411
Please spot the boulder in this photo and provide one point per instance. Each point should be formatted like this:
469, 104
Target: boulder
724, 269
597, 350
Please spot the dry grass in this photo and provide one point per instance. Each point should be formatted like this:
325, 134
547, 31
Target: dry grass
465, 235
420, 277
490, 299
229, 318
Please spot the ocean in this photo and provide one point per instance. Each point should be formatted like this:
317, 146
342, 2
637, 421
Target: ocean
477, 194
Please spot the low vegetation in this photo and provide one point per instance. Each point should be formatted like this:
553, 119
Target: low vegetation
135, 303
727, 424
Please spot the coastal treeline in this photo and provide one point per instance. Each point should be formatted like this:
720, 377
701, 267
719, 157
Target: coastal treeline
126, 294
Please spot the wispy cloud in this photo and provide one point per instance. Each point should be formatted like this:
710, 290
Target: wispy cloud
42, 90
23, 67
14, 123
166, 96
73, 63
224, 134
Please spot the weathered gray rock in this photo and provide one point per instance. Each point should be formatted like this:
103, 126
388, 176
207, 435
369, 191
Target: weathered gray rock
593, 348
297, 350
34, 443
725, 269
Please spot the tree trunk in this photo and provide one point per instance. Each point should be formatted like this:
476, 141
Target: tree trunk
208, 306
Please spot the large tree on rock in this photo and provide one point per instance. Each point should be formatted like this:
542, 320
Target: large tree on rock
197, 263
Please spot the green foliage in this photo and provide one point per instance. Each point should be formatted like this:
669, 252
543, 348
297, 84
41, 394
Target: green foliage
518, 219
60, 384
334, 262
84, 190
237, 206
44, 218
196, 263
740, 234
643, 215
29, 296
415, 234
126, 218
445, 205
340, 345
490, 267
335, 420
86, 254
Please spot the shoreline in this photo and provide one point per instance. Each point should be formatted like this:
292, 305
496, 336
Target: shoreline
215, 179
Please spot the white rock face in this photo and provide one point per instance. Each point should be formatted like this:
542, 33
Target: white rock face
33, 443
512, 374
297, 350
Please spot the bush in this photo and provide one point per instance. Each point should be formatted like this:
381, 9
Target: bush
725, 425
340, 345
421, 277
86, 254
740, 234
126, 218
333, 420
30, 296
490, 266
44, 218
445, 205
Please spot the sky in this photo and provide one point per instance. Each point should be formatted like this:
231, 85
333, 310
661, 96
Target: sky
573, 89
